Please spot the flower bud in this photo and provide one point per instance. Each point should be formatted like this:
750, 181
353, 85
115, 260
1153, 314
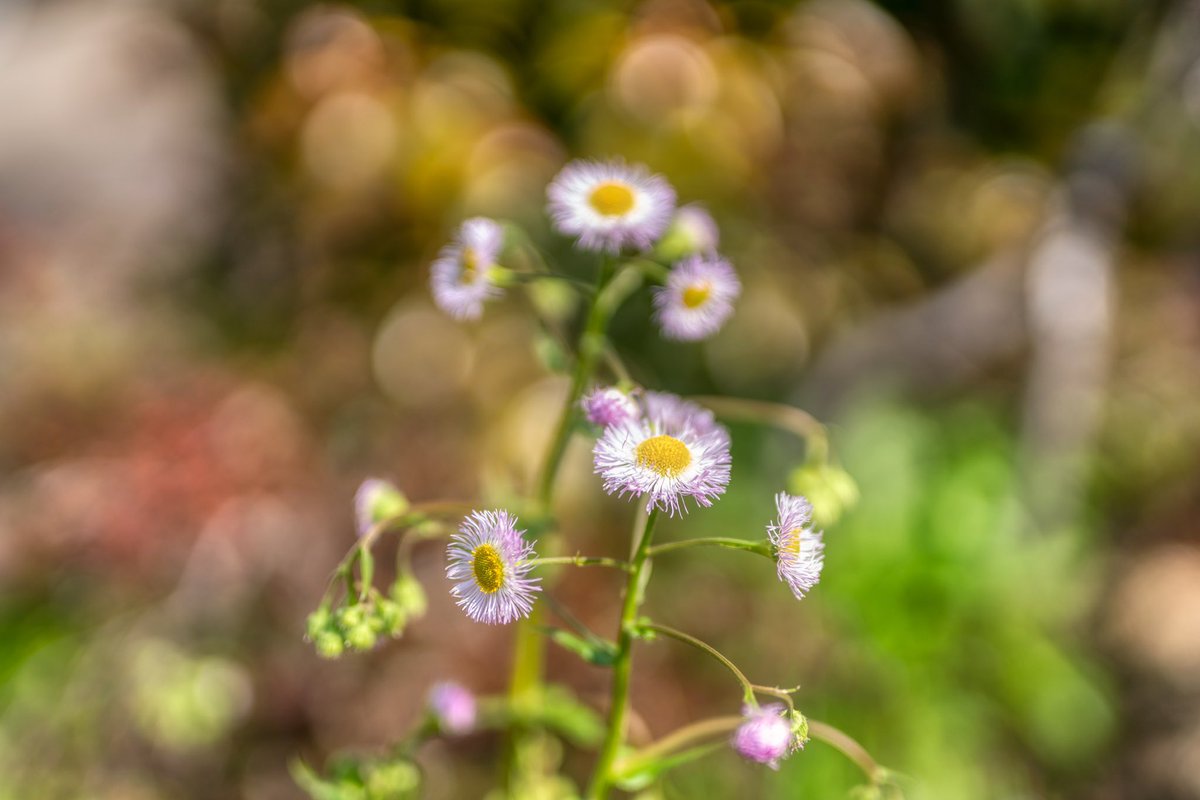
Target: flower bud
766, 735
362, 636
375, 501
409, 596
329, 644
692, 232
453, 706
830, 489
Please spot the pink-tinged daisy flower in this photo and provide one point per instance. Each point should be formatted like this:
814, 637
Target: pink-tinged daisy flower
673, 414
692, 231
642, 459
453, 706
799, 550
766, 735
489, 559
607, 405
375, 501
461, 276
610, 206
697, 298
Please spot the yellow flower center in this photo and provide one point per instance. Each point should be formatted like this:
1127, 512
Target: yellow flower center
470, 265
611, 199
695, 296
666, 455
488, 567
793, 541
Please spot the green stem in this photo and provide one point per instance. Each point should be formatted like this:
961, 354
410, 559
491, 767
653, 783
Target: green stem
848, 747
762, 548
583, 561
591, 344
788, 418
747, 686
677, 740
622, 667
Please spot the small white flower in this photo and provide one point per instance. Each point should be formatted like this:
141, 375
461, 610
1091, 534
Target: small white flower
697, 298
641, 459
608, 405
461, 276
489, 559
799, 550
610, 206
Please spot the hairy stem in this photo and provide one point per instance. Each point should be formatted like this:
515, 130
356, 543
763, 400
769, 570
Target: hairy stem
762, 548
583, 561
788, 418
747, 686
623, 665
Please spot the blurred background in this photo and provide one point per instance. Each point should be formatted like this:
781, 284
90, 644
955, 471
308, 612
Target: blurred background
967, 234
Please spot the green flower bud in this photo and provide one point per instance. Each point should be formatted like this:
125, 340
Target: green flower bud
329, 644
393, 781
318, 621
375, 501
361, 637
391, 616
830, 489
409, 595
351, 616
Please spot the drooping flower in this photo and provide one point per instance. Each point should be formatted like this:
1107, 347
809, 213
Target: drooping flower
799, 550
642, 459
767, 735
453, 706
462, 275
607, 405
375, 501
489, 560
697, 298
609, 205
692, 231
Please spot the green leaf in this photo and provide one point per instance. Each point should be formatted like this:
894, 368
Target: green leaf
593, 650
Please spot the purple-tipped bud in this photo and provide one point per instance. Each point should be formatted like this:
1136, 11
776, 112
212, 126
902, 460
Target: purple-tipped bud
765, 735
606, 406
454, 707
375, 501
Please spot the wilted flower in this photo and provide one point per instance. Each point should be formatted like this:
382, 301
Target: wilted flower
609, 406
489, 560
453, 706
462, 277
642, 459
766, 735
375, 501
799, 550
697, 298
609, 205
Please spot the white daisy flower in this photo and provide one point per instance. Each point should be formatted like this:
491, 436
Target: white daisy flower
610, 206
641, 459
799, 550
489, 559
697, 298
461, 276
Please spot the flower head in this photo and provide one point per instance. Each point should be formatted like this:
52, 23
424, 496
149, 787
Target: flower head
453, 705
766, 735
691, 231
665, 465
697, 298
799, 550
609, 205
460, 276
673, 414
489, 559
609, 406
375, 501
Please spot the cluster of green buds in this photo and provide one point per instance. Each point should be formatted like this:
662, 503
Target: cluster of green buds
359, 623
